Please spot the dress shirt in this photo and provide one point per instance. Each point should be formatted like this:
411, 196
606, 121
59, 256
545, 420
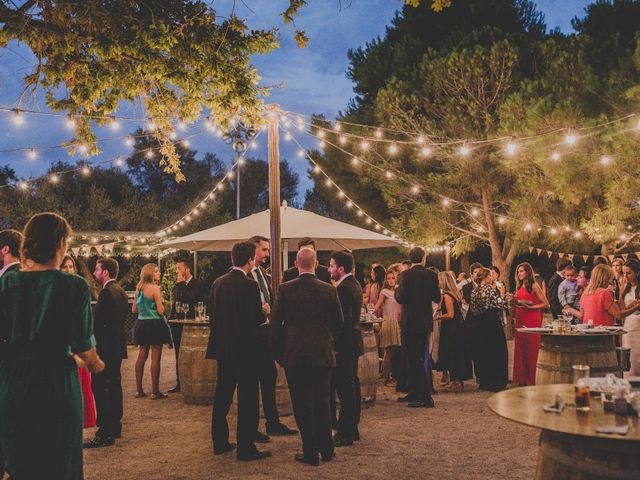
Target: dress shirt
340, 281
6, 267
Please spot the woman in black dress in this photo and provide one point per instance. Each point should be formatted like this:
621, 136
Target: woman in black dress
454, 356
491, 346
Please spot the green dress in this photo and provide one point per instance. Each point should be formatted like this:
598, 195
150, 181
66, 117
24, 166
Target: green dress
44, 316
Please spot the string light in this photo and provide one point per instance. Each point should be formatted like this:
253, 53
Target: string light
464, 150
182, 126
71, 123
54, 178
415, 189
502, 220
571, 139
355, 161
511, 148
393, 149
445, 202
17, 118
82, 148
316, 169
528, 227
186, 143
605, 160
254, 144
337, 127
152, 126
388, 174
327, 182
114, 125
555, 156
321, 134
577, 234
129, 142
119, 162
287, 137
32, 154
553, 231
342, 140
425, 152
475, 211
379, 133
364, 145
149, 154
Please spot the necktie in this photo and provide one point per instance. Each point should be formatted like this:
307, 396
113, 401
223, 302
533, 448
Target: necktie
263, 286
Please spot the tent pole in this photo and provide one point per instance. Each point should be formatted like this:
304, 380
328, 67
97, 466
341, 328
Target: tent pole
274, 193
285, 255
195, 264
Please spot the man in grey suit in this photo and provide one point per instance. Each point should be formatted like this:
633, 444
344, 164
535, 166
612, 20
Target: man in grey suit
305, 322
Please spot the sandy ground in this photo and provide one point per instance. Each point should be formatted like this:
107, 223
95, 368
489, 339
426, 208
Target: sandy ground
459, 439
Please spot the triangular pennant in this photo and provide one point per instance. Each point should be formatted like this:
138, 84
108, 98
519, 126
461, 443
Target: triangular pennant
560, 254
530, 249
611, 257
570, 255
539, 251
585, 257
549, 253
99, 248
75, 251
625, 256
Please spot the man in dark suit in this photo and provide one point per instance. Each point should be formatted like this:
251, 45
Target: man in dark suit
417, 291
349, 348
267, 373
321, 272
235, 317
9, 262
554, 284
187, 290
110, 313
306, 319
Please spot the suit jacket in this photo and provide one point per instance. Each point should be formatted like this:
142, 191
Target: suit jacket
467, 290
12, 268
552, 294
235, 314
305, 321
417, 289
191, 293
322, 273
349, 341
109, 315
267, 278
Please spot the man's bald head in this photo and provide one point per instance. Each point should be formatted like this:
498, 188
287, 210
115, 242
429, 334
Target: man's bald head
306, 260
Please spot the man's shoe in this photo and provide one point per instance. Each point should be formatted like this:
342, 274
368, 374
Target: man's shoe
280, 429
98, 442
342, 442
261, 437
257, 455
424, 404
175, 389
407, 399
328, 457
230, 447
356, 435
302, 458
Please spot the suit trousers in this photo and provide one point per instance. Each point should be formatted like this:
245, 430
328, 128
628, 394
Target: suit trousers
309, 388
357, 395
245, 378
267, 376
343, 379
419, 384
176, 335
107, 391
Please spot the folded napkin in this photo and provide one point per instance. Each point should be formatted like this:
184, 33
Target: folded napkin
556, 407
613, 429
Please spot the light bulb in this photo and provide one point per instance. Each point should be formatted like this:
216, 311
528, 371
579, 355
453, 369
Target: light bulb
555, 156
355, 161
571, 139
445, 202
301, 153
18, 118
254, 144
152, 126
316, 169
349, 204
475, 211
359, 213
577, 234
421, 140
501, 220
212, 196
54, 178
605, 160
321, 144
388, 174
173, 135
327, 182
364, 145
337, 127
241, 161
528, 227
425, 152
22, 185
368, 220
378, 133
321, 134
464, 150
118, 161
415, 189
129, 142
149, 154
85, 170
32, 154
82, 148
186, 143
342, 140
393, 149
182, 126
511, 148
71, 123
114, 125
287, 137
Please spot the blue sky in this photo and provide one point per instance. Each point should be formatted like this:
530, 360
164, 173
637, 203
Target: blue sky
313, 79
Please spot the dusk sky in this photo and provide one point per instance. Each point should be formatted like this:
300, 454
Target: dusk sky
313, 79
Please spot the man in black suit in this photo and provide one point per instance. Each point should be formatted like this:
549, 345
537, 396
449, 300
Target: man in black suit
110, 313
321, 272
554, 283
187, 290
9, 262
349, 347
417, 291
235, 317
306, 319
267, 373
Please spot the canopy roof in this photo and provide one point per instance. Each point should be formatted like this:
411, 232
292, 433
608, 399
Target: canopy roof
328, 234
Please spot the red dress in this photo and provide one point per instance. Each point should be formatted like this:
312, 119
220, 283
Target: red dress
525, 354
89, 408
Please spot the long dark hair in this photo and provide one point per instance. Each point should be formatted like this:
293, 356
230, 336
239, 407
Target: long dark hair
634, 265
528, 280
43, 235
379, 276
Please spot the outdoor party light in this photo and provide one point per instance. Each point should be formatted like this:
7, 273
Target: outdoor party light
342, 140
388, 174
82, 148
605, 160
32, 154
327, 182
114, 125
415, 189
149, 154
393, 149
475, 211
425, 151
321, 133
445, 202
464, 150
577, 234
501, 220
17, 118
54, 178
152, 126
71, 123
378, 133
527, 227
555, 156
571, 139
364, 145
355, 161
22, 185
337, 127
349, 204
186, 143
85, 170
316, 169
553, 231
511, 148
129, 142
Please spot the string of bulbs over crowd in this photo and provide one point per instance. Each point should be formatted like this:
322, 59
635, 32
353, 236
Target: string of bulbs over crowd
387, 137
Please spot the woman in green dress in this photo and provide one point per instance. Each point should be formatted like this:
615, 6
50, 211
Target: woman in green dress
46, 328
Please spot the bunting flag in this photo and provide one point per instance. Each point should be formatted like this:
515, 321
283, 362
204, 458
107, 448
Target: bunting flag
611, 257
549, 254
625, 256
75, 251
530, 249
570, 255
109, 247
539, 250
585, 258
99, 248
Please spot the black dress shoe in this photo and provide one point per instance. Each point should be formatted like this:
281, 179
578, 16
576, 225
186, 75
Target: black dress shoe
99, 441
356, 435
175, 389
342, 442
302, 458
257, 455
424, 404
280, 429
261, 437
328, 457
407, 399
230, 447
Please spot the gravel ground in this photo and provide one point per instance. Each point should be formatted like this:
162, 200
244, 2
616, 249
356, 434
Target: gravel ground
459, 439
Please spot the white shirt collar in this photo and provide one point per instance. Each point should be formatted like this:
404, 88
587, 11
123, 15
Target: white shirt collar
340, 281
239, 269
108, 282
6, 267
187, 281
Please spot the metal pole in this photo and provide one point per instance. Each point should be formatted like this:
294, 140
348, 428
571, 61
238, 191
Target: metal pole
274, 193
195, 264
238, 187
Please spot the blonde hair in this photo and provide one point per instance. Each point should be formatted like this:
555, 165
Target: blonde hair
447, 283
390, 271
601, 277
146, 276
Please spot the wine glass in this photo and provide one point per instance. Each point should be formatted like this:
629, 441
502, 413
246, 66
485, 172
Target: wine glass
178, 307
185, 310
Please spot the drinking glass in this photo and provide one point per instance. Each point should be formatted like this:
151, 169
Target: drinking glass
580, 376
370, 307
185, 309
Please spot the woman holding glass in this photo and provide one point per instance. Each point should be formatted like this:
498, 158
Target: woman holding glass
68, 265
46, 330
390, 331
150, 331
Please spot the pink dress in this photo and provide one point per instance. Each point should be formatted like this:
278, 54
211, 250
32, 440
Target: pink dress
596, 307
525, 354
89, 407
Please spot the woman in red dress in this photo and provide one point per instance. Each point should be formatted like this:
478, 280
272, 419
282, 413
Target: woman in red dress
530, 303
89, 407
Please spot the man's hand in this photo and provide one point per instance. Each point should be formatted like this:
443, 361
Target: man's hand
266, 309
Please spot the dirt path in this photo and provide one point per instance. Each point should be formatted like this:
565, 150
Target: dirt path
459, 439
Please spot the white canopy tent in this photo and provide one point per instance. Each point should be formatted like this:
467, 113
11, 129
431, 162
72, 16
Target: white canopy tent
328, 234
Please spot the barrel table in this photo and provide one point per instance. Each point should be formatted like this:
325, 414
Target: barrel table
558, 352
570, 448
369, 365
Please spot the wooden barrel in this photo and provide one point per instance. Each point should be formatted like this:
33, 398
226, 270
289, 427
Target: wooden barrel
197, 373
283, 397
575, 457
369, 368
558, 353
